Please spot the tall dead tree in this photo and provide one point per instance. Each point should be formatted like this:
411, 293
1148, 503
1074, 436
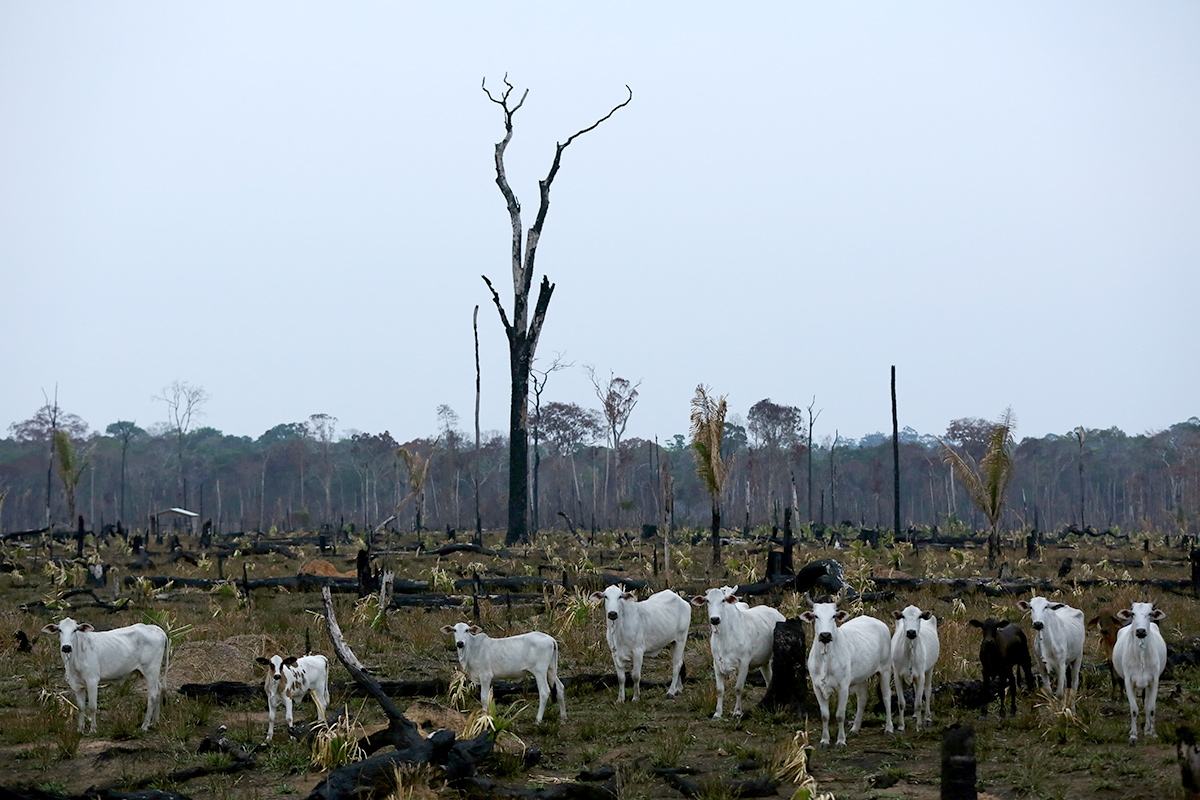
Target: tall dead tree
522, 330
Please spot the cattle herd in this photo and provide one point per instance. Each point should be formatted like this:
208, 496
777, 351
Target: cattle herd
845, 654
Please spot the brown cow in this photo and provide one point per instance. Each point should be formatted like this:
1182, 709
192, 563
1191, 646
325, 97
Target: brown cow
1107, 621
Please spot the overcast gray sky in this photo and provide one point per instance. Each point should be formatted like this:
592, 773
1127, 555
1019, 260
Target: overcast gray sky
291, 205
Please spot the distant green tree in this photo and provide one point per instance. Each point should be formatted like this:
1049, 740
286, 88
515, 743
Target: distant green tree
125, 432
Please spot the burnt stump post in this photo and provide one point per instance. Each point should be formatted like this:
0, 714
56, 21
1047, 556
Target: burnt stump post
789, 689
958, 763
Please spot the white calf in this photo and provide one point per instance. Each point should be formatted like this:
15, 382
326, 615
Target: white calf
634, 629
845, 657
915, 649
1139, 656
1058, 636
484, 659
742, 638
290, 680
91, 656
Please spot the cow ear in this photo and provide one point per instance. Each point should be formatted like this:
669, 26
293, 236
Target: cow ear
629, 596
731, 599
975, 623
1023, 605
447, 629
1125, 615
897, 615
592, 596
87, 626
926, 614
51, 628
475, 629
1055, 606
808, 616
263, 661
1157, 614
1002, 624
290, 661
841, 616
699, 601
1093, 621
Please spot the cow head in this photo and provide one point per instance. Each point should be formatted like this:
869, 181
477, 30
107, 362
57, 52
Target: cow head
824, 618
910, 620
66, 631
614, 597
1037, 608
716, 600
1140, 617
275, 665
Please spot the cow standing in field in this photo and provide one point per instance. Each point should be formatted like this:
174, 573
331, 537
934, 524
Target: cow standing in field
915, 649
484, 659
1058, 636
91, 656
290, 680
634, 629
1003, 654
843, 657
1139, 657
1109, 625
741, 639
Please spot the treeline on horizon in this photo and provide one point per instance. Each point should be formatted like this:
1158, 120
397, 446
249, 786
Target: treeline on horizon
307, 475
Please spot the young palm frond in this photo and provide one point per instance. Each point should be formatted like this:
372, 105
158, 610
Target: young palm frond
987, 482
707, 429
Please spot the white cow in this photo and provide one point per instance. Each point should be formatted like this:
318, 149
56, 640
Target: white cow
484, 659
742, 638
1058, 636
91, 656
634, 629
915, 649
290, 680
845, 657
1139, 656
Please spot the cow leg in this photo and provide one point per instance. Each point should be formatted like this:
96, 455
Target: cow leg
321, 700
485, 693
902, 703
543, 687
743, 669
552, 674
823, 704
1151, 704
272, 704
638, 654
677, 667
1131, 694
885, 691
153, 698
720, 678
93, 689
927, 689
620, 665
843, 695
287, 710
860, 705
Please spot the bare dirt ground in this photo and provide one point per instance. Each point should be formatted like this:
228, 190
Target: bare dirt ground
1042, 752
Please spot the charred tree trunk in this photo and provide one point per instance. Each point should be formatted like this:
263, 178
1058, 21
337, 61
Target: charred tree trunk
789, 682
521, 330
895, 460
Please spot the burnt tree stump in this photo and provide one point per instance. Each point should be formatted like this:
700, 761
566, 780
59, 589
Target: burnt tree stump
958, 763
789, 689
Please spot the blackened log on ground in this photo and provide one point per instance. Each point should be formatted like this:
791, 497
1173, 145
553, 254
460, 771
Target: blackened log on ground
825, 575
376, 776
789, 690
460, 547
758, 787
222, 692
480, 787
117, 606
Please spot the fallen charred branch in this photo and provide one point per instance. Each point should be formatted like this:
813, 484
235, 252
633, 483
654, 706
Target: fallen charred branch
459, 547
764, 786
458, 759
479, 787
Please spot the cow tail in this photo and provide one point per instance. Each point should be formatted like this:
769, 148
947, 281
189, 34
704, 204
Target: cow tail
554, 674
